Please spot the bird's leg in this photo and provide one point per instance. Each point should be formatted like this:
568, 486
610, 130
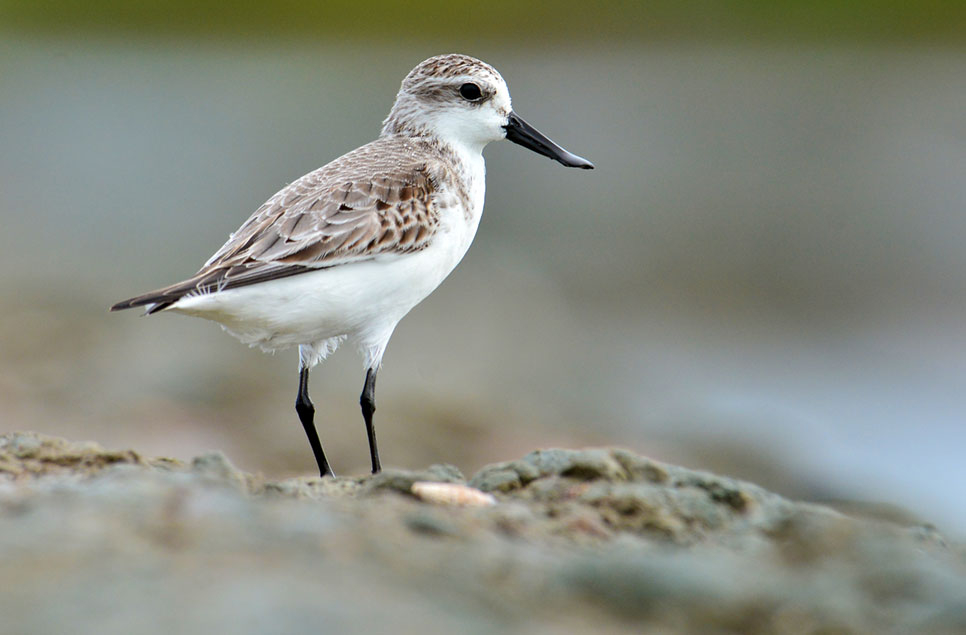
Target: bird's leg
368, 403
303, 406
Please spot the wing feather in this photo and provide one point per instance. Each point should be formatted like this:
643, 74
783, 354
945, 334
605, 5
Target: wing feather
375, 200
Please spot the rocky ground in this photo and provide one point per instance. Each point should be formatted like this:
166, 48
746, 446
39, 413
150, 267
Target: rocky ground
595, 540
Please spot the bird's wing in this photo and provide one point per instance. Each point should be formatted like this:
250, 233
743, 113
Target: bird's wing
343, 212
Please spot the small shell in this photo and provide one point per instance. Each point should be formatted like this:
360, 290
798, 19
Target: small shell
451, 494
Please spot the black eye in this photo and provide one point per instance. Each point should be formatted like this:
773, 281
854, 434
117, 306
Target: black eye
470, 92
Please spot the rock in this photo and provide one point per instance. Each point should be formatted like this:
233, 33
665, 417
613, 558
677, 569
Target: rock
216, 467
402, 480
595, 540
29, 454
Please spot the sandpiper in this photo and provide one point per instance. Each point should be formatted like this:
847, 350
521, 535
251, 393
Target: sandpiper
347, 250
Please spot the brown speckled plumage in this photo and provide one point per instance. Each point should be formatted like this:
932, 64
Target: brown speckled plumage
378, 199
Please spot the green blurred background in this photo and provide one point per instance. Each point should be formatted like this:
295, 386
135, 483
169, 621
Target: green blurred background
503, 20
764, 276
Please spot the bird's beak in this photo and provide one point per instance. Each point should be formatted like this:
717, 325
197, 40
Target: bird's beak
520, 132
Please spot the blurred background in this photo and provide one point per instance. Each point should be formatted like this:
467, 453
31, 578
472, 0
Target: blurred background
765, 275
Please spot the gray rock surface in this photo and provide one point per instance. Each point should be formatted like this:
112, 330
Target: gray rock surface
597, 540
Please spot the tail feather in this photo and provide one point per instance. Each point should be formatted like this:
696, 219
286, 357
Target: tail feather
160, 299
154, 301
209, 281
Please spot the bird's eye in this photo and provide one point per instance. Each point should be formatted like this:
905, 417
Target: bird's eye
470, 92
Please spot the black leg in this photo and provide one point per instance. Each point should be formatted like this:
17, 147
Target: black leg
368, 403
303, 406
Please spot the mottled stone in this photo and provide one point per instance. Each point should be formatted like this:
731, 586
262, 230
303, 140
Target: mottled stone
402, 480
640, 468
497, 480
27, 453
596, 540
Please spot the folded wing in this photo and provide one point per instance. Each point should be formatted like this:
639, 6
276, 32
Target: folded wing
327, 218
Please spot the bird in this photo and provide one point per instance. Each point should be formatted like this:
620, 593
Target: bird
347, 250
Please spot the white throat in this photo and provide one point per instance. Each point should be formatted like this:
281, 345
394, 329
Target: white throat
472, 171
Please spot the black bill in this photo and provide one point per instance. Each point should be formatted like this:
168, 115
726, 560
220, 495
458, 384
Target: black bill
520, 132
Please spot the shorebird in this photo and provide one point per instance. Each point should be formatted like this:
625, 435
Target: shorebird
347, 250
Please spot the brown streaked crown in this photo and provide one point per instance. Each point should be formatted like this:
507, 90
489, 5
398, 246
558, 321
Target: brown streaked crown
450, 66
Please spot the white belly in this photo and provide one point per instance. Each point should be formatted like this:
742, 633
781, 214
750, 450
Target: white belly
363, 300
